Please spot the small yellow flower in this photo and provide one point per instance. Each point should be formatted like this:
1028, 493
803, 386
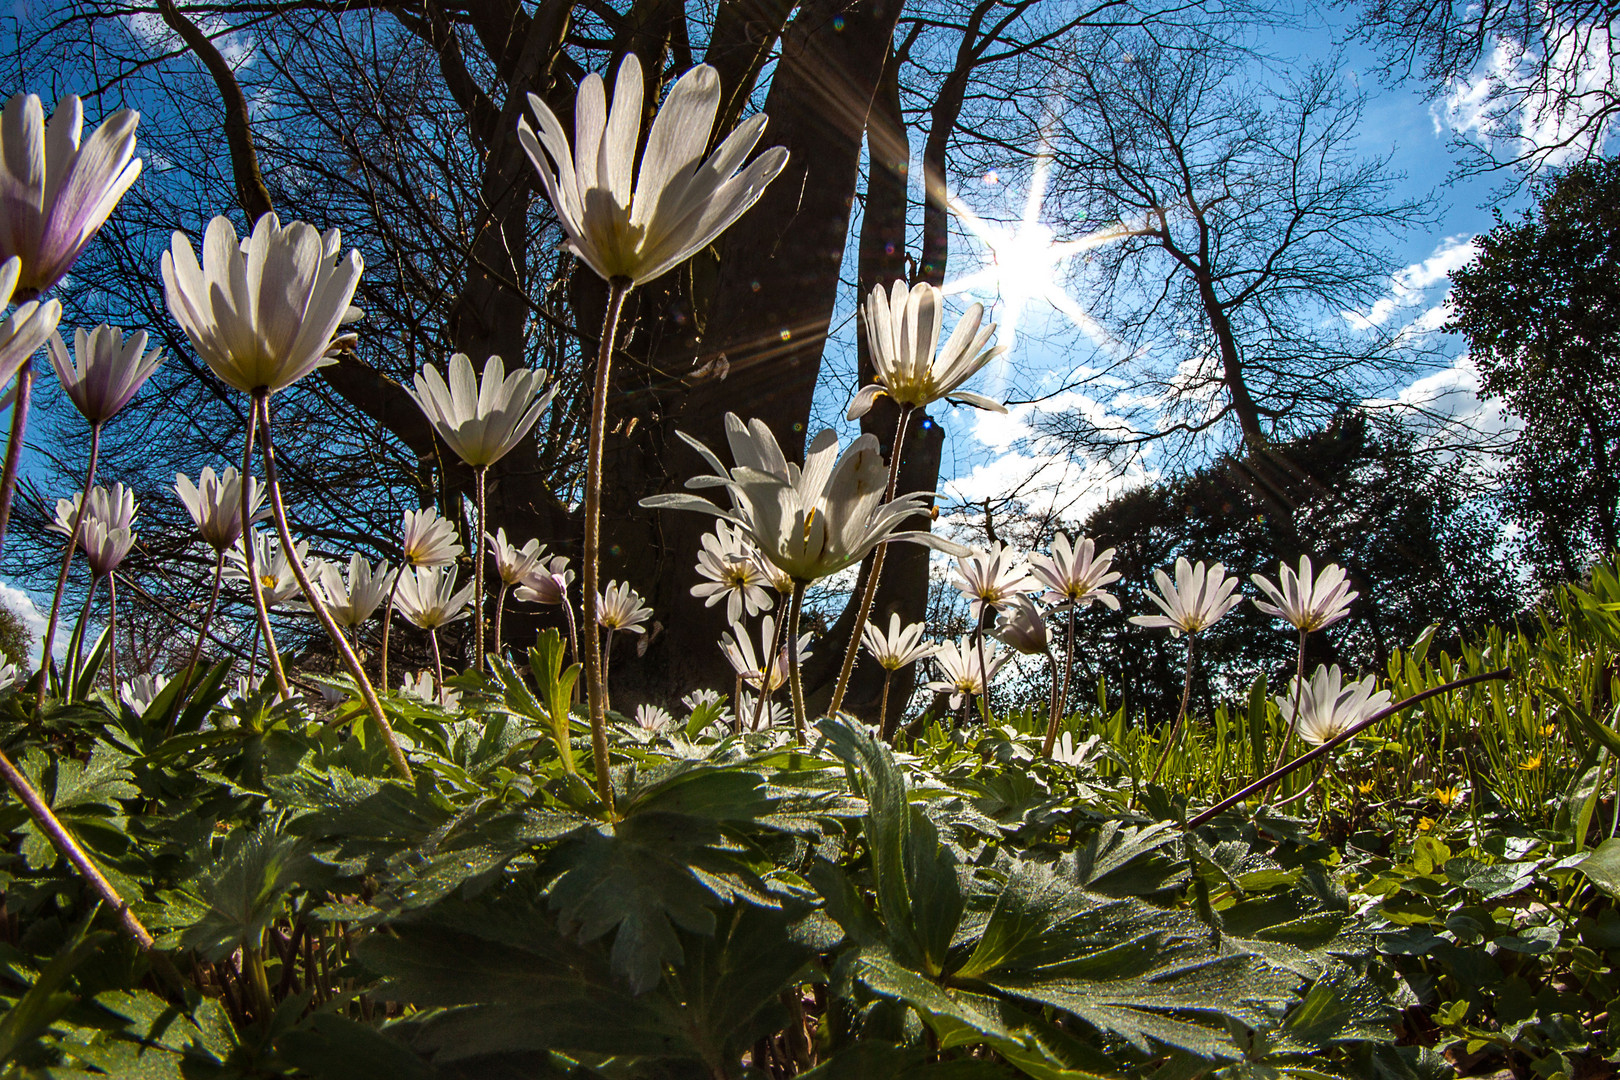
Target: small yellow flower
1530, 764
1549, 731
1366, 786
1425, 824
1448, 796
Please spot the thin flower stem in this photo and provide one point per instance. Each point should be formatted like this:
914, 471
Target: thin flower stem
500, 606
438, 666
388, 621
1055, 717
112, 634
196, 650
607, 660
885, 729
14, 445
1181, 713
72, 545
273, 479
618, 290
736, 704
1343, 737
258, 982
77, 640
482, 473
1061, 707
765, 668
64, 841
984, 667
852, 649
794, 682
260, 609
573, 628
1299, 689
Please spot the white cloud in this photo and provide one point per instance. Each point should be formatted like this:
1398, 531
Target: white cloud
1581, 71
1412, 287
1018, 462
1452, 396
1051, 484
1446, 408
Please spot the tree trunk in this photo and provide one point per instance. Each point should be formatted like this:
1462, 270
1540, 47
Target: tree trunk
773, 296
903, 587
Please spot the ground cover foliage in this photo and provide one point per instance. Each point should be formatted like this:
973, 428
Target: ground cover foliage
1438, 899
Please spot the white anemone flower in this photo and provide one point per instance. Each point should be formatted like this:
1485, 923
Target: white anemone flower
270, 562
481, 420
428, 596
139, 693
512, 563
964, 675
245, 687
105, 371
1075, 573
56, 191
680, 202
777, 714
547, 583
215, 504
114, 506
27, 328
104, 547
1328, 706
420, 687
750, 665
991, 576
1194, 600
780, 581
619, 607
809, 522
1066, 752
653, 717
8, 672
1021, 626
902, 332
428, 539
900, 647
354, 599
1307, 602
701, 699
106, 534
731, 571
261, 313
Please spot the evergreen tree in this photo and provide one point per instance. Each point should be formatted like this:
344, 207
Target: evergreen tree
1540, 308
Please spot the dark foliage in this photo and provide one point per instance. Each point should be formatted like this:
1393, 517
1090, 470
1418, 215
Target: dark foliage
1417, 550
1540, 309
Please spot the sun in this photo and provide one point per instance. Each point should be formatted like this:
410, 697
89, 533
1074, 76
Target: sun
1026, 264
